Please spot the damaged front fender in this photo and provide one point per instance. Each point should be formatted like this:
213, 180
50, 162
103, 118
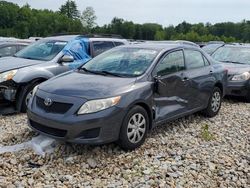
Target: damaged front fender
8, 90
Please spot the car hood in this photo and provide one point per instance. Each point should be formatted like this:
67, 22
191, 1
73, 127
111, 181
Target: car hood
234, 68
87, 86
10, 63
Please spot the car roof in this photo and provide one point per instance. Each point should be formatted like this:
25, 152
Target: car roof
109, 39
68, 38
161, 46
175, 41
13, 43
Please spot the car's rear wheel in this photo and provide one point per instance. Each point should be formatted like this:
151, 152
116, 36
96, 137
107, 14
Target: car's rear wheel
214, 103
25, 96
134, 129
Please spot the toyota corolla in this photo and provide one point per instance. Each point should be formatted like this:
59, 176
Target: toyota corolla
122, 94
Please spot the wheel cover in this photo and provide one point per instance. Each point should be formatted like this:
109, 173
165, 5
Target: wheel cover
136, 128
215, 102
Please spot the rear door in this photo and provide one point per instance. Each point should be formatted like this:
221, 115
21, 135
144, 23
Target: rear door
199, 74
171, 97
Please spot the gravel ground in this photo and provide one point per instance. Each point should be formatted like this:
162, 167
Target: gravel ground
190, 152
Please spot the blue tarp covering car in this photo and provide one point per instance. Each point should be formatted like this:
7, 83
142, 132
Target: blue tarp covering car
79, 49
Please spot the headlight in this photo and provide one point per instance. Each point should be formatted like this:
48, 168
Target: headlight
7, 75
98, 105
34, 90
241, 77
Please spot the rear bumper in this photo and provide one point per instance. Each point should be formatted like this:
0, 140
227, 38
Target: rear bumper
241, 89
98, 128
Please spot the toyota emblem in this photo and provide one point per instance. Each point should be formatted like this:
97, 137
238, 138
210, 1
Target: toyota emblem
48, 102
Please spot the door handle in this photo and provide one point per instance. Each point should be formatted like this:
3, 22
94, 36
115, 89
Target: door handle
211, 71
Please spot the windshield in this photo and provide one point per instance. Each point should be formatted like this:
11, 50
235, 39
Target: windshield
233, 54
130, 62
42, 50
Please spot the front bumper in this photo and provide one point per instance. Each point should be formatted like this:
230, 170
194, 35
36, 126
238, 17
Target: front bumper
97, 128
241, 89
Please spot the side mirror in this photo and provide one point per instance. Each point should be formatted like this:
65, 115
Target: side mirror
67, 59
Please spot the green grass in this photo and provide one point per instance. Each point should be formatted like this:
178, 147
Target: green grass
206, 134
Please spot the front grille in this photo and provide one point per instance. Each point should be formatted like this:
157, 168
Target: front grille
56, 107
48, 130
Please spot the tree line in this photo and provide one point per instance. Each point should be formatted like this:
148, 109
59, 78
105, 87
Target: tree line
25, 21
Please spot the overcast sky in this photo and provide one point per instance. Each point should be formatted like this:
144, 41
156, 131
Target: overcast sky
165, 12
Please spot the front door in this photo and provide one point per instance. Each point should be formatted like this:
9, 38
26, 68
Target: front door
171, 96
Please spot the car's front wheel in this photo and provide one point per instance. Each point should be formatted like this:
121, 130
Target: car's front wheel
134, 129
214, 103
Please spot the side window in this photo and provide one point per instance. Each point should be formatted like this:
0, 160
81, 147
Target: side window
206, 61
118, 43
194, 59
101, 46
171, 63
7, 51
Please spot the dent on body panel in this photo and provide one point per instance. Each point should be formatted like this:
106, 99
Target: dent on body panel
160, 113
168, 105
202, 84
139, 92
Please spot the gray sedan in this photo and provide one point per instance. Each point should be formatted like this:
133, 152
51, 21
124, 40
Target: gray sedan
122, 94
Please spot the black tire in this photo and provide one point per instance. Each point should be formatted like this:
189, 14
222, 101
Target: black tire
124, 140
210, 110
248, 97
21, 102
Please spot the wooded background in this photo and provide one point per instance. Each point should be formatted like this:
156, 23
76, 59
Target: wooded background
24, 22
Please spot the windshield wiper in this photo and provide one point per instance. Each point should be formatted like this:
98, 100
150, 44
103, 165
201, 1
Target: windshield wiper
93, 72
236, 62
111, 73
104, 73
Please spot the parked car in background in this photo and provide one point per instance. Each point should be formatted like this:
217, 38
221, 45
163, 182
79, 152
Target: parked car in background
44, 59
237, 61
211, 47
125, 92
12, 39
10, 48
